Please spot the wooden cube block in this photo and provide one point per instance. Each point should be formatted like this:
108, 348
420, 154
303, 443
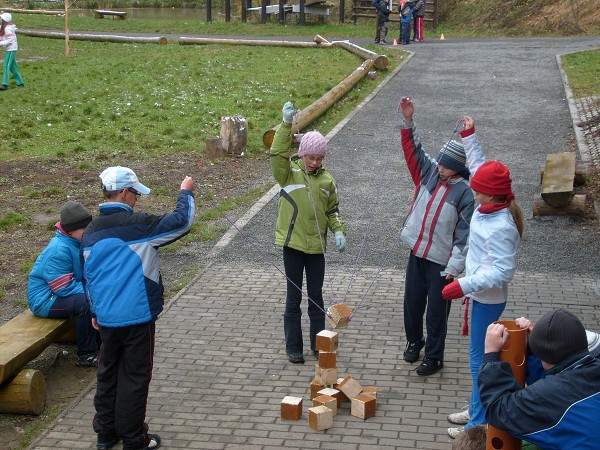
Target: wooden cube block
327, 360
325, 376
326, 400
339, 315
350, 387
335, 393
370, 390
291, 408
320, 417
343, 396
315, 387
363, 406
327, 341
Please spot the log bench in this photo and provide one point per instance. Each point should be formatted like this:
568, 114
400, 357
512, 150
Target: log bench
100, 13
22, 339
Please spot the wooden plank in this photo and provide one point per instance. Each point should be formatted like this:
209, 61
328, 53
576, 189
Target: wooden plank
24, 338
559, 178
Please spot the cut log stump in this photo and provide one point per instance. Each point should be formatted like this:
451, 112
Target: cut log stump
576, 207
234, 135
558, 179
24, 394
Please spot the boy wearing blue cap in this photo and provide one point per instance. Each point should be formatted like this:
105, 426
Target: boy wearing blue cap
437, 231
125, 290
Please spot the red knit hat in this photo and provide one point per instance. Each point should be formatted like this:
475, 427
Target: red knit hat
492, 178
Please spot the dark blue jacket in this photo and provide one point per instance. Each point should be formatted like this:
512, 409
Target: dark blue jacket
120, 250
561, 411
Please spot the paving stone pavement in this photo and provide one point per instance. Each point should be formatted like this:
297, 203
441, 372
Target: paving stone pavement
220, 366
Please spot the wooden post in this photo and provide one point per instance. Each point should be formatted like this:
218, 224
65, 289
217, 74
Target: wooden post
234, 135
281, 11
227, 10
213, 147
24, 394
245, 5
302, 15
67, 49
342, 13
263, 11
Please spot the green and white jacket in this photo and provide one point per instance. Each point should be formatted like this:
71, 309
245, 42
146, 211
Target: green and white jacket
296, 224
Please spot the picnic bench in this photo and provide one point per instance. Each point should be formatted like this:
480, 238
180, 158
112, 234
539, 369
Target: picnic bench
22, 339
317, 7
100, 13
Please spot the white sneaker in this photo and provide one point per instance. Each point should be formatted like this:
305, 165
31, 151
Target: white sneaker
454, 432
460, 418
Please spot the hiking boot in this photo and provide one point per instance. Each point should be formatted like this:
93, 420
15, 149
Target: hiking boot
429, 366
154, 442
460, 418
89, 360
383, 42
296, 358
454, 432
413, 350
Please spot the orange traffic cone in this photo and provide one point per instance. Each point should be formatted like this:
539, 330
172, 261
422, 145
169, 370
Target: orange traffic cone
395, 42
442, 37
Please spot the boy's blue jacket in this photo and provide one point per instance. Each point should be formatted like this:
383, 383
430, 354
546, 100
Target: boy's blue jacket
558, 412
120, 250
57, 272
406, 14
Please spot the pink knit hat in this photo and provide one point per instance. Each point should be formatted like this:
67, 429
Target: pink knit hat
313, 143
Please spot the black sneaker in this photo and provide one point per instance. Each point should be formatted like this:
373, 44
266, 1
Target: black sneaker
3, 87
413, 350
105, 443
429, 366
296, 358
89, 360
154, 442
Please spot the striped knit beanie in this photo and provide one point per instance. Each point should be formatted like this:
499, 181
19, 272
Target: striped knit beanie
313, 143
452, 155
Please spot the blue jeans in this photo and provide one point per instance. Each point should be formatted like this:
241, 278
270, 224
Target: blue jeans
296, 263
77, 305
482, 315
405, 32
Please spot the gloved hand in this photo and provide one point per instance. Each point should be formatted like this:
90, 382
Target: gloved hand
452, 291
288, 112
340, 241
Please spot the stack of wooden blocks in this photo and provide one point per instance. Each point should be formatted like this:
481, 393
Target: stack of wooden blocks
328, 392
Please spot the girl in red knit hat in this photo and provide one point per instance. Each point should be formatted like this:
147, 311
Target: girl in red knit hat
495, 233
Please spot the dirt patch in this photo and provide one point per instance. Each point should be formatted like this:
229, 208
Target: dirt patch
31, 195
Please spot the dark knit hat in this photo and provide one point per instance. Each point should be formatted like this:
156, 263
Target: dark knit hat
313, 143
452, 155
74, 215
558, 335
492, 178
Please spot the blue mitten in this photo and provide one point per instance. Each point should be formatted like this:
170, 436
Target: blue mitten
288, 112
340, 241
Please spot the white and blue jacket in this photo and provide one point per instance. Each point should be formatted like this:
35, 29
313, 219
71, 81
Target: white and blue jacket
493, 242
56, 273
559, 412
120, 252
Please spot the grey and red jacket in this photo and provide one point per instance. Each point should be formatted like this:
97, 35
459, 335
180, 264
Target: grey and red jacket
561, 411
437, 226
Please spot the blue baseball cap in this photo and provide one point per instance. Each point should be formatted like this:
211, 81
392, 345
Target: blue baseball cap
118, 178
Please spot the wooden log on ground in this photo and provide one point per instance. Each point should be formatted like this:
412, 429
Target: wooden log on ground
559, 178
252, 42
583, 173
576, 207
234, 135
47, 12
96, 37
319, 107
320, 39
24, 394
381, 61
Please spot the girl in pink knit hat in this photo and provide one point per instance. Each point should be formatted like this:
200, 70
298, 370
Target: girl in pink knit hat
308, 208
495, 233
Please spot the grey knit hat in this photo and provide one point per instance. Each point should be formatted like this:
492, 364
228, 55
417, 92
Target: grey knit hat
73, 215
557, 335
313, 143
452, 155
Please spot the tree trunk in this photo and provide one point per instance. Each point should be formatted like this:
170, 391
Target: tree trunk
381, 61
251, 42
95, 37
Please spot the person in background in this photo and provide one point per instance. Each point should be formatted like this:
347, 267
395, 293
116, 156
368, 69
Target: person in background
55, 287
496, 231
418, 15
125, 290
559, 411
437, 231
8, 40
308, 207
406, 17
383, 13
